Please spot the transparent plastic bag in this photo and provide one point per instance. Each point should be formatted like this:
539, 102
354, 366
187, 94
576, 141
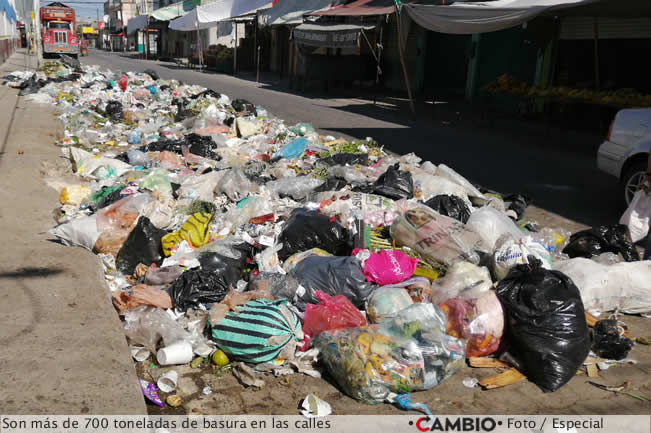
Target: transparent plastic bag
386, 302
637, 215
157, 180
141, 294
410, 352
509, 253
123, 213
435, 236
554, 239
297, 188
236, 185
146, 326
479, 321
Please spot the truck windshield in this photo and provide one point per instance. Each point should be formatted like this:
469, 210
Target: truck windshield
59, 26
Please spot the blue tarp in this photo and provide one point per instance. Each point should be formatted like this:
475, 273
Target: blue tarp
8, 10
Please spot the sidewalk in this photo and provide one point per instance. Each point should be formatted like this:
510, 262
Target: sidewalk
63, 349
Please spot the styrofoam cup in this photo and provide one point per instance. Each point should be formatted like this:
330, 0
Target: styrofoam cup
177, 353
167, 382
139, 353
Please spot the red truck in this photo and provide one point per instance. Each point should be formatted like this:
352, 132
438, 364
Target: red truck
58, 30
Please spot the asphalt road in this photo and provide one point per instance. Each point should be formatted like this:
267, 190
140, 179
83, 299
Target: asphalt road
556, 168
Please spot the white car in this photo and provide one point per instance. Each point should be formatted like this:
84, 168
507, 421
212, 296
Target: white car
625, 153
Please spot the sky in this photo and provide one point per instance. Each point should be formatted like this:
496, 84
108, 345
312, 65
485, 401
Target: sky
83, 8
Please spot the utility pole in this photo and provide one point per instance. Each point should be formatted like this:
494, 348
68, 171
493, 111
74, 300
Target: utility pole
97, 40
37, 33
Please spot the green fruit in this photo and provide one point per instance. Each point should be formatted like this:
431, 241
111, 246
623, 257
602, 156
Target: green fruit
219, 358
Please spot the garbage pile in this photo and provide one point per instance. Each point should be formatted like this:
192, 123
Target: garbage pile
225, 234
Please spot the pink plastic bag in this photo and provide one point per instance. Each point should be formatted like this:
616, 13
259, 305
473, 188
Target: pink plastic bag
388, 266
336, 312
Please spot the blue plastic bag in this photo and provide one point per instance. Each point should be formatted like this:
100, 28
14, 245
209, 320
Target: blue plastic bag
294, 149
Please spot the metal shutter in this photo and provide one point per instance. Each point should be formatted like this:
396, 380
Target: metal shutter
609, 28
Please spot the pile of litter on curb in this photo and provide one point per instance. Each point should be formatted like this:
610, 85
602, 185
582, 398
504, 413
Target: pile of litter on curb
226, 235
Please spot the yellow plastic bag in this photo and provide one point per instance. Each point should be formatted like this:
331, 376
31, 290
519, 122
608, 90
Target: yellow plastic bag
196, 231
74, 194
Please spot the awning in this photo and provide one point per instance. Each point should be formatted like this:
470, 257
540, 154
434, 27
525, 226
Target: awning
175, 10
205, 16
470, 18
360, 8
292, 11
137, 23
330, 35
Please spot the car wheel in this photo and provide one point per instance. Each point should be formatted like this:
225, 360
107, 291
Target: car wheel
632, 180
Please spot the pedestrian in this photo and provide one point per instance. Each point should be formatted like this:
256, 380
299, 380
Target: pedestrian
646, 186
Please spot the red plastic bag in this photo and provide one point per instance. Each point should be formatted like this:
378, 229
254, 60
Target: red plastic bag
123, 83
479, 321
333, 312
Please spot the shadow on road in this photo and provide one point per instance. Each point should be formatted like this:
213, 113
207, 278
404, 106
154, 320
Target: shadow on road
31, 272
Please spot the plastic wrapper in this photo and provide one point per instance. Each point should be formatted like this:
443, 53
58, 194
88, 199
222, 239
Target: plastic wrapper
146, 326
74, 194
157, 180
622, 287
195, 287
490, 225
463, 280
394, 184
142, 246
141, 294
451, 206
480, 322
195, 230
169, 160
387, 266
509, 253
547, 332
236, 185
349, 174
438, 237
307, 229
259, 332
419, 289
293, 149
334, 312
162, 212
373, 209
233, 300
602, 239
410, 352
157, 276
554, 239
334, 276
298, 188
385, 302
123, 213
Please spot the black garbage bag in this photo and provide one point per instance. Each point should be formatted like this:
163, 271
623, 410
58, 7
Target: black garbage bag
545, 324
334, 276
153, 74
607, 343
142, 246
451, 206
181, 112
282, 286
228, 268
331, 184
306, 229
200, 145
603, 239
518, 203
197, 286
207, 92
344, 159
114, 111
243, 106
229, 121
393, 183
110, 199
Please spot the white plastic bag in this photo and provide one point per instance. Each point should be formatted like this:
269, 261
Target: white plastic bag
463, 280
625, 287
637, 216
81, 232
510, 252
490, 224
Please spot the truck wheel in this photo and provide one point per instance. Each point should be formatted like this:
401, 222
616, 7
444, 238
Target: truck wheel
632, 179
